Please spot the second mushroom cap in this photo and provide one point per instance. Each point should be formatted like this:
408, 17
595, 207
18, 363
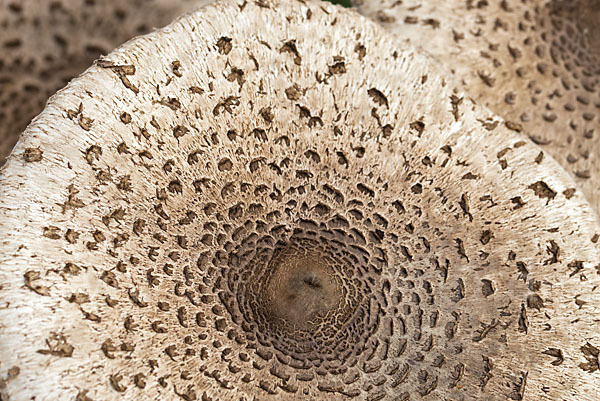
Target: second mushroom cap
535, 63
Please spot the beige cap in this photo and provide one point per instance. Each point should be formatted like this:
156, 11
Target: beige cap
273, 201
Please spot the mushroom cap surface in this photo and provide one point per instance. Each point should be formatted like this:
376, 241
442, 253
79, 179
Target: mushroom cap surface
534, 63
233, 207
44, 44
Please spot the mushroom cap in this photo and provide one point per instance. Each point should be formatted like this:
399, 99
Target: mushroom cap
46, 44
222, 211
534, 63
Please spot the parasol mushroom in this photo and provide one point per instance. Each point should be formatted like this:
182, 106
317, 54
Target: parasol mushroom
46, 44
535, 63
221, 211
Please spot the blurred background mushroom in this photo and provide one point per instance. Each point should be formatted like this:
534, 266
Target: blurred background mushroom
221, 211
536, 63
44, 44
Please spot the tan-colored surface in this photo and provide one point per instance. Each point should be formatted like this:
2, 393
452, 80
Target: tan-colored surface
44, 44
535, 63
223, 211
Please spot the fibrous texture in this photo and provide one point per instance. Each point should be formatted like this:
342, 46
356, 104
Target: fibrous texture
535, 63
44, 44
220, 211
